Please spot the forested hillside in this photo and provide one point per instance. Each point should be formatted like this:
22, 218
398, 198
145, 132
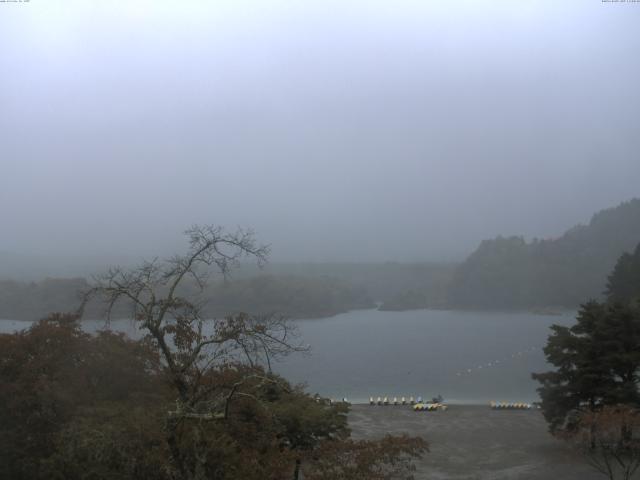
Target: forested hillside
564, 272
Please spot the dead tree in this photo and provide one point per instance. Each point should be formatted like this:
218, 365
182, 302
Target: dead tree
193, 347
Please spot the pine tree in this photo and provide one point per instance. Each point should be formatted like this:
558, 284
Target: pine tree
597, 360
623, 284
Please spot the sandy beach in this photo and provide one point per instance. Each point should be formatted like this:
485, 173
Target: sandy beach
477, 443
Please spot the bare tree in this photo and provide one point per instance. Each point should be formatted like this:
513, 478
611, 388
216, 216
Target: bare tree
610, 440
192, 346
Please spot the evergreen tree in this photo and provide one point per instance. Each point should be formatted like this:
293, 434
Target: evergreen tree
597, 360
624, 282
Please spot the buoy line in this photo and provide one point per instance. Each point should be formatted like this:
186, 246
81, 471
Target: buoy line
498, 362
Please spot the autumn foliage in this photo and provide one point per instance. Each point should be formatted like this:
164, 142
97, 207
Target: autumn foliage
80, 406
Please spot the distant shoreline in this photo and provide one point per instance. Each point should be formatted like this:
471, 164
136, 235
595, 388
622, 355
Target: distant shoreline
550, 312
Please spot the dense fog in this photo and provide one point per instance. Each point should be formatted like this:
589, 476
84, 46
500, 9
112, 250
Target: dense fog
339, 131
319, 239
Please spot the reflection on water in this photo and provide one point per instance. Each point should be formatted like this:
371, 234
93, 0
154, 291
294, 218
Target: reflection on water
467, 357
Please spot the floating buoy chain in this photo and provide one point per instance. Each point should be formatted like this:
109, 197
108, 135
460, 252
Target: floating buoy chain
496, 363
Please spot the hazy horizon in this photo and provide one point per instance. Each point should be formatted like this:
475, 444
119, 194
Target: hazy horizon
339, 131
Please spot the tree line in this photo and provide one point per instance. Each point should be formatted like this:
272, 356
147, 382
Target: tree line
295, 296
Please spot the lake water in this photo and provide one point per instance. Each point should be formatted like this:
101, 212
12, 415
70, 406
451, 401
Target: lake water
467, 357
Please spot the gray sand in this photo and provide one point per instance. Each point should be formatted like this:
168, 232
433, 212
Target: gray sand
475, 442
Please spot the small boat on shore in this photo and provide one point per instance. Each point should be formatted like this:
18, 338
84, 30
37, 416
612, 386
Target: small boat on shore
510, 405
430, 407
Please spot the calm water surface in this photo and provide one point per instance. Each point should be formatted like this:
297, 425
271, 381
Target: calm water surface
467, 357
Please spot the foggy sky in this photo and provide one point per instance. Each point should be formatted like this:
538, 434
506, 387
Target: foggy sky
338, 130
